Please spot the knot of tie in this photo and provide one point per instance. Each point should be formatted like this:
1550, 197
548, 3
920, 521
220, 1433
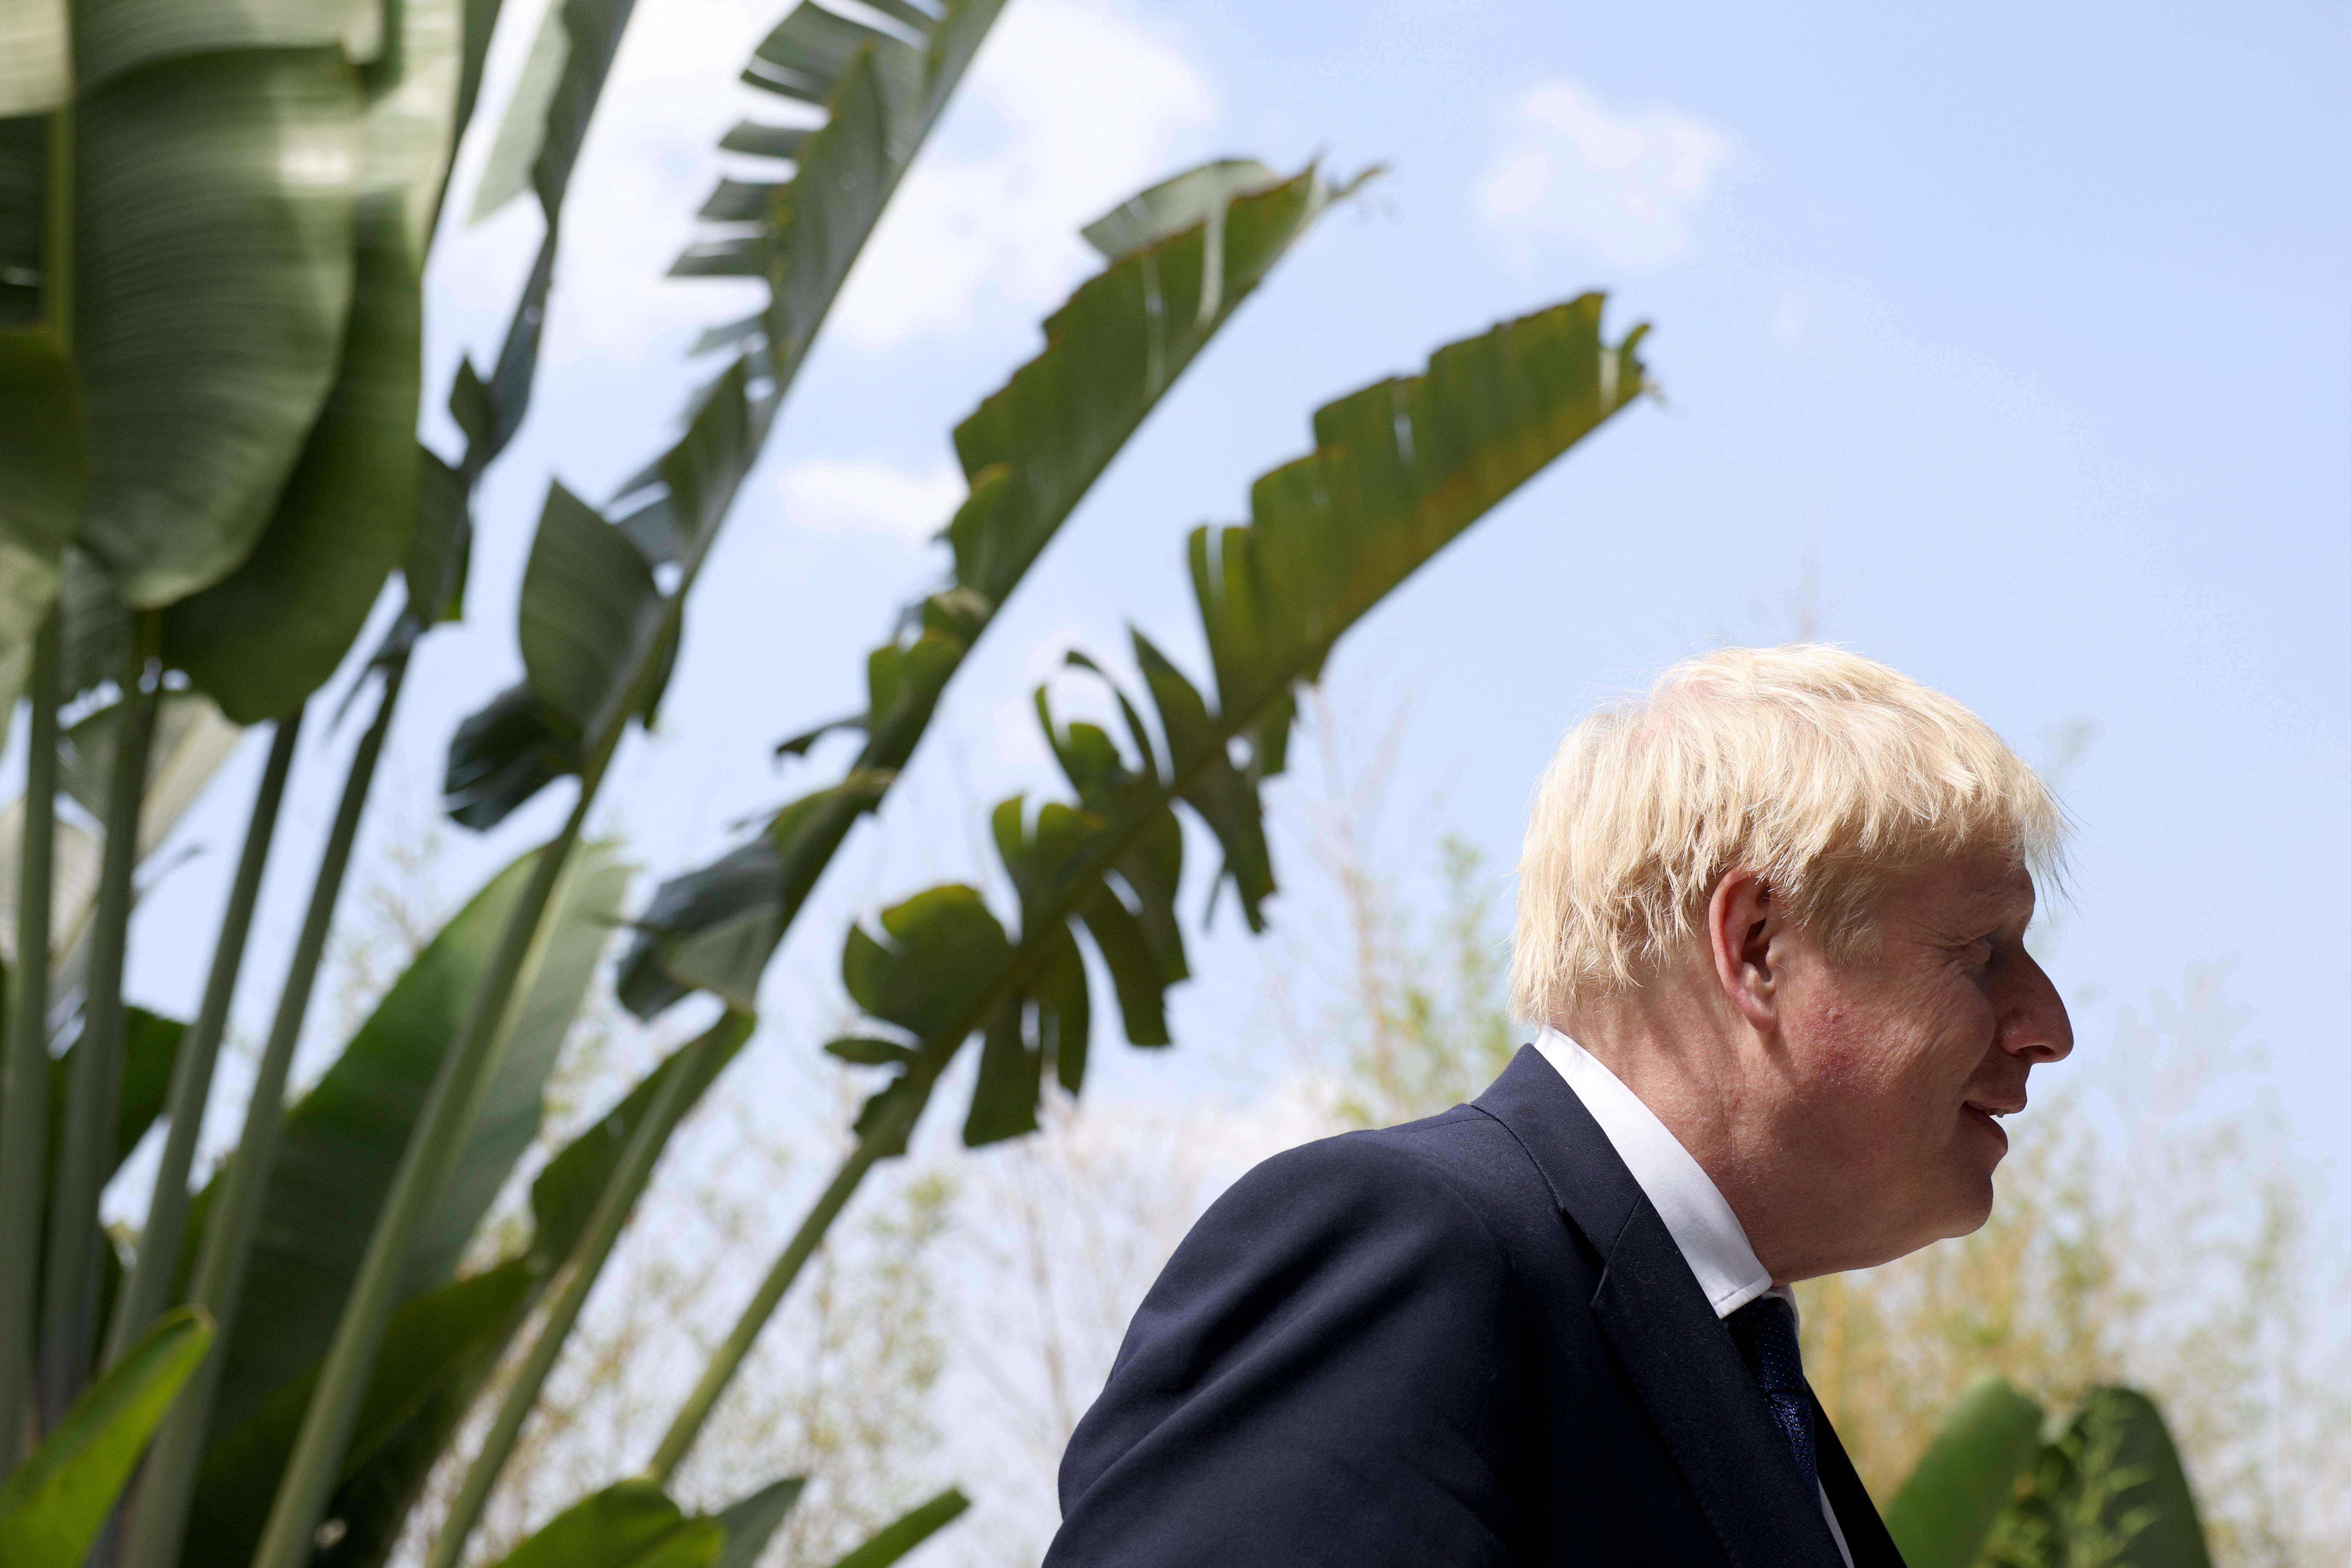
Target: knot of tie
1764, 1330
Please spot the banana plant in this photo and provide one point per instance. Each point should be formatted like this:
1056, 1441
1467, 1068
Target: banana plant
343, 1352
598, 629
213, 224
2106, 1490
1399, 469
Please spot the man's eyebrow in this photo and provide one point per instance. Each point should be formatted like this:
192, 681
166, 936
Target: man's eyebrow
2007, 902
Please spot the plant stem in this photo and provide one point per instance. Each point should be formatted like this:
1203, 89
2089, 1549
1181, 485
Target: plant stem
57, 230
424, 1166
696, 1412
1048, 919
693, 1072
170, 1477
25, 1073
70, 1284
150, 1286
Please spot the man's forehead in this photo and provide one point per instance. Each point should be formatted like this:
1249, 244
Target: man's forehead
1989, 888
1993, 886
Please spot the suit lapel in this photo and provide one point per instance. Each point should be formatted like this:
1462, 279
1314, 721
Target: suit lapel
1673, 1349
1866, 1535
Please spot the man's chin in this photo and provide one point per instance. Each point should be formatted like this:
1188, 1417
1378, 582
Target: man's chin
1972, 1209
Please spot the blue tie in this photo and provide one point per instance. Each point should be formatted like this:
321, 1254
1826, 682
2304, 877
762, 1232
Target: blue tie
1764, 1330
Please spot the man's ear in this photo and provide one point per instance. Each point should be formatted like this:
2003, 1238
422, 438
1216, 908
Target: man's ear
1742, 918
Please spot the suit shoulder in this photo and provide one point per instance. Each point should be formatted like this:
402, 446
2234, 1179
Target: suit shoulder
1463, 1150
1462, 1168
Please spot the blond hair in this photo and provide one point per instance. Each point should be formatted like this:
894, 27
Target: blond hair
1819, 771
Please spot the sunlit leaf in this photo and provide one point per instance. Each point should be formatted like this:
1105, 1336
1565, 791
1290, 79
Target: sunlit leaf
271, 633
214, 273
36, 56
52, 1507
113, 35
1196, 195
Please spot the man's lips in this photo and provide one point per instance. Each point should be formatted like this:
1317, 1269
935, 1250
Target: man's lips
1988, 1111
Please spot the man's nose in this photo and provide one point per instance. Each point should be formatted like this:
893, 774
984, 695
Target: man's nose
2034, 1025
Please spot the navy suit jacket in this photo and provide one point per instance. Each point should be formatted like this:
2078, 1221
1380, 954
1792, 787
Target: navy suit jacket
1464, 1340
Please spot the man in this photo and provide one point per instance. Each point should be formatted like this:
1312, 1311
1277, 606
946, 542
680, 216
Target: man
1774, 919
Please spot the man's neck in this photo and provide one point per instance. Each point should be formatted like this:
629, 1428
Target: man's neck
1689, 1068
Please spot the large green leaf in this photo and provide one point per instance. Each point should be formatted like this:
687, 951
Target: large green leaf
2111, 1492
214, 272
1946, 1511
112, 36
272, 631
52, 1506
632, 1525
438, 1346
343, 1142
881, 95
1399, 470
1193, 248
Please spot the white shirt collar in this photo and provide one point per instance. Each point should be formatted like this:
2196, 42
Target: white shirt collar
1695, 1214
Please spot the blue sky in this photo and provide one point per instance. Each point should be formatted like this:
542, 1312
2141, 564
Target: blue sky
2019, 331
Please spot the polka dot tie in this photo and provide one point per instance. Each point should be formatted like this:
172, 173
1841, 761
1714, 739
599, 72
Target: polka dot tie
1765, 1331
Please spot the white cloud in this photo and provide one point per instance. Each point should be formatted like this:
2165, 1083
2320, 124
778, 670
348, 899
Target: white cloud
867, 498
1073, 106
650, 159
1572, 171
1070, 106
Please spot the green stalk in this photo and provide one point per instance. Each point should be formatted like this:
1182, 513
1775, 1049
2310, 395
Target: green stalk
25, 1073
57, 234
169, 1478
70, 1284
1037, 935
425, 1169
691, 1417
687, 1080
150, 1286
